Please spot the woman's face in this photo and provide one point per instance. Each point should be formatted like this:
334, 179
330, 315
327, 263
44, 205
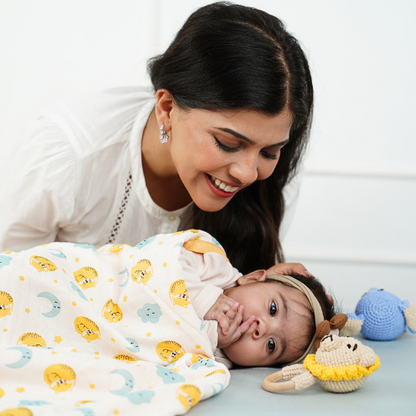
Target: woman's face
216, 154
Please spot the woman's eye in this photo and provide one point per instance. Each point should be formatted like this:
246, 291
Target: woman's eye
226, 148
271, 345
267, 155
273, 308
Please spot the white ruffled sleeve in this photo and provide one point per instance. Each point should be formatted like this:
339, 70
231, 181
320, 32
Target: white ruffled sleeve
37, 196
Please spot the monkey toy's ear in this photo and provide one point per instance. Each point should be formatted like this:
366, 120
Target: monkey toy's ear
338, 321
326, 327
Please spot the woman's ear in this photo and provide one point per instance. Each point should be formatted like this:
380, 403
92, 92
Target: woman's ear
163, 108
256, 276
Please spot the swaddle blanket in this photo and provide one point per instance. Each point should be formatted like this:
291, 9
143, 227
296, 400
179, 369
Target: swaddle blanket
103, 332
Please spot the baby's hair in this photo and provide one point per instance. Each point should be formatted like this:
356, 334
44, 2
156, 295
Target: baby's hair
327, 306
316, 287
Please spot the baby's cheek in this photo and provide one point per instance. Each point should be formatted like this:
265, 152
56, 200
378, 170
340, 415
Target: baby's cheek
241, 352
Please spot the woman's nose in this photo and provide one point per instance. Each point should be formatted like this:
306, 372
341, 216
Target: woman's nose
245, 169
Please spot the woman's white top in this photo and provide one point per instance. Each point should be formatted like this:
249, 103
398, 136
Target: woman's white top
77, 176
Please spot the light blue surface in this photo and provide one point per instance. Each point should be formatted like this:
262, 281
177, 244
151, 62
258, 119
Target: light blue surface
391, 390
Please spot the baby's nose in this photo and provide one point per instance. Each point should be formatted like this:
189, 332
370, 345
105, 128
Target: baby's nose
257, 330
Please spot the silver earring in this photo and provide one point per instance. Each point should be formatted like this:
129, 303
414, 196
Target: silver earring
163, 135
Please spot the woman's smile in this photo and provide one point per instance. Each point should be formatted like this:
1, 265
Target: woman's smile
220, 188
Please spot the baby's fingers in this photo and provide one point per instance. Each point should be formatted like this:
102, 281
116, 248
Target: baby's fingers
245, 326
230, 314
235, 324
224, 323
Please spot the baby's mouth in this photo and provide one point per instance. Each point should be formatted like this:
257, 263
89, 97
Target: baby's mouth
221, 185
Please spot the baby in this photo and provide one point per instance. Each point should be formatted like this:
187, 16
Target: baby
270, 320
261, 319
251, 320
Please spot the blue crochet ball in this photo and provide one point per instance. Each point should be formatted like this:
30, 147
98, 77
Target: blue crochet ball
383, 315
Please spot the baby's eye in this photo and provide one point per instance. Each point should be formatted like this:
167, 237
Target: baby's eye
271, 345
273, 309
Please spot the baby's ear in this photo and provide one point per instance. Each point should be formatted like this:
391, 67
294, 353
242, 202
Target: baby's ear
256, 276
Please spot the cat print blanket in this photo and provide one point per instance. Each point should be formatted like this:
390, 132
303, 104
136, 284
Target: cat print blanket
103, 331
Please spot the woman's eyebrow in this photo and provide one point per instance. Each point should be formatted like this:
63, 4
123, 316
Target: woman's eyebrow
236, 134
246, 139
281, 144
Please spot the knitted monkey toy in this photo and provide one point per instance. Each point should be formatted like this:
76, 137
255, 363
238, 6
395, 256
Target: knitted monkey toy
381, 316
341, 364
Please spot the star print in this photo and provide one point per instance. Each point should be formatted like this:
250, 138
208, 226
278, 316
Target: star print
58, 339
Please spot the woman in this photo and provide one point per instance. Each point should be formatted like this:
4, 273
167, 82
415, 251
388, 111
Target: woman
212, 146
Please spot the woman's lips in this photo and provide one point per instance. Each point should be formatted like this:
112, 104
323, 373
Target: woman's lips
221, 188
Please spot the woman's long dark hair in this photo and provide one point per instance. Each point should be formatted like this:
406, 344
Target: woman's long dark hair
228, 56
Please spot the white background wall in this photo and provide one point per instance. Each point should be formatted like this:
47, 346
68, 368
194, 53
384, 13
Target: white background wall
355, 226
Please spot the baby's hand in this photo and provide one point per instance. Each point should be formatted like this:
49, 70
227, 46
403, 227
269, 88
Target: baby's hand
236, 326
219, 310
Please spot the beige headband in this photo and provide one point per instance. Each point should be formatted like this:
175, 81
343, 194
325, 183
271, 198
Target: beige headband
317, 310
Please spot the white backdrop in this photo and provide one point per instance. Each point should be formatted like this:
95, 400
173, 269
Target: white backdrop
355, 226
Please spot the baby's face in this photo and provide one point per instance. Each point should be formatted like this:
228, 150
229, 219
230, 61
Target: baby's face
279, 333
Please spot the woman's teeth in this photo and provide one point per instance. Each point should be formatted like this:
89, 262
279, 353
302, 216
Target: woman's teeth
223, 186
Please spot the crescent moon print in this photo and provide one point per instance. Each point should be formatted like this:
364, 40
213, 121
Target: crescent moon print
78, 290
127, 277
134, 345
128, 383
24, 359
57, 253
56, 305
